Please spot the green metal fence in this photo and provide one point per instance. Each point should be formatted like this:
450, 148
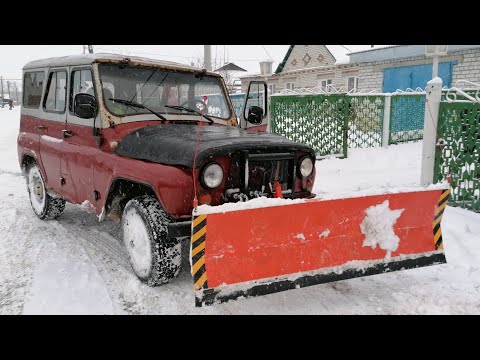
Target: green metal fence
365, 121
320, 120
407, 115
458, 152
316, 120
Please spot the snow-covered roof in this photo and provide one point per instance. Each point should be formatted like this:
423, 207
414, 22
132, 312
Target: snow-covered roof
372, 49
87, 59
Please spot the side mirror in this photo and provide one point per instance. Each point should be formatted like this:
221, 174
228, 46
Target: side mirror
256, 103
85, 106
255, 115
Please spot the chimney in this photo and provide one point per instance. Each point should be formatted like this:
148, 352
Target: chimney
266, 67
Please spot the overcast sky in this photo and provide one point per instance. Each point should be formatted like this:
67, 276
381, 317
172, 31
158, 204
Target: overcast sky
13, 57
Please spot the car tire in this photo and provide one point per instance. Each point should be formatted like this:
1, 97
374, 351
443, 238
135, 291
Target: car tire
44, 205
155, 258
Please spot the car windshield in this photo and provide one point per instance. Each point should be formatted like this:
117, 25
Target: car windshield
154, 88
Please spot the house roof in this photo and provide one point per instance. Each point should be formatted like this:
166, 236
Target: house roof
373, 49
284, 61
398, 51
289, 51
230, 67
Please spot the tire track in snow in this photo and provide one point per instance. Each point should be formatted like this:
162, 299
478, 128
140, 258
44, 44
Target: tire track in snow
102, 243
19, 248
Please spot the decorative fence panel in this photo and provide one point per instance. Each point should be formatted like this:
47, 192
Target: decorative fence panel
458, 152
365, 120
406, 117
315, 120
237, 101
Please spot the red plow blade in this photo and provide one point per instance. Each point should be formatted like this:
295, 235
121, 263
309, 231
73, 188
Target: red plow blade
259, 251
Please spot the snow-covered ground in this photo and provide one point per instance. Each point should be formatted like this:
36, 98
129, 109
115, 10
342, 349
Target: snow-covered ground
75, 265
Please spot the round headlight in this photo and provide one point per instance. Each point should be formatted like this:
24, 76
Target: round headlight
306, 166
212, 176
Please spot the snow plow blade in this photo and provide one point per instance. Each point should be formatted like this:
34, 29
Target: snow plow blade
253, 252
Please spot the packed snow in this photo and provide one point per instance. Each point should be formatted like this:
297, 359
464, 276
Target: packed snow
77, 265
378, 227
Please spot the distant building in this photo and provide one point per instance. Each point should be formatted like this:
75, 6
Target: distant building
230, 73
406, 66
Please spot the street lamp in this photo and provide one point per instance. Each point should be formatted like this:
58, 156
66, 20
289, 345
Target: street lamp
435, 51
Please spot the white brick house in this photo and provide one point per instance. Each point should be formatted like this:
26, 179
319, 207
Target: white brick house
306, 66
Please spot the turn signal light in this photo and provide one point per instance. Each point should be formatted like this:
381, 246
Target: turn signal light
205, 199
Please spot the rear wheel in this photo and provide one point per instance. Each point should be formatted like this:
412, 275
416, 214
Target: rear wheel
155, 258
45, 206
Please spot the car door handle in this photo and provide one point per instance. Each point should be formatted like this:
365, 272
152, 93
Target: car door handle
41, 127
66, 133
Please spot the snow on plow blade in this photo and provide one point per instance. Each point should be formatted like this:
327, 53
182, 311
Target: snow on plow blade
259, 251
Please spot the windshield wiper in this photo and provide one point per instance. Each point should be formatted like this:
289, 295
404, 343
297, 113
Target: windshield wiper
135, 104
178, 107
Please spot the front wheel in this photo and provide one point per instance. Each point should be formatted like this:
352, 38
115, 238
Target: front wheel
155, 258
45, 206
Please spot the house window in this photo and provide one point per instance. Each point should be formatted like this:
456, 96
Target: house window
290, 85
352, 83
272, 88
325, 84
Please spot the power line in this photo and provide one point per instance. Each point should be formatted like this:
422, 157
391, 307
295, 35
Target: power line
267, 53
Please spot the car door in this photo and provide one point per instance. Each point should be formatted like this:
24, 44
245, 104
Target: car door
51, 129
80, 143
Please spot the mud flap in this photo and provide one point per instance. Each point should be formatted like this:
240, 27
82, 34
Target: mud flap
252, 252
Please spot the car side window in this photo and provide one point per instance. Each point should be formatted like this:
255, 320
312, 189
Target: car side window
80, 83
32, 89
55, 97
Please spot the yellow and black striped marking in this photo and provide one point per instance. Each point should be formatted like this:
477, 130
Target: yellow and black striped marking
199, 229
437, 231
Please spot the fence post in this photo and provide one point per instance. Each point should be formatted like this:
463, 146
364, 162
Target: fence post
269, 116
432, 107
386, 120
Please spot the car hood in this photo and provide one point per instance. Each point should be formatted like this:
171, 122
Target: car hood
174, 144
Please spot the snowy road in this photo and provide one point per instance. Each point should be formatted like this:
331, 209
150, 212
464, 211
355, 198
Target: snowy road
75, 265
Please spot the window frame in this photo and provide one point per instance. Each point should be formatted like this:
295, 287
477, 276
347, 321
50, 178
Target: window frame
355, 83
326, 83
47, 89
272, 88
291, 87
24, 92
70, 88
221, 84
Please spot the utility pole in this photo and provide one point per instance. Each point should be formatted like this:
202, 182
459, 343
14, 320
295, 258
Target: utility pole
207, 57
16, 93
90, 49
8, 88
1, 85
84, 48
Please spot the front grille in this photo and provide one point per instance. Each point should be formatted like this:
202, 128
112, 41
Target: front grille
254, 174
